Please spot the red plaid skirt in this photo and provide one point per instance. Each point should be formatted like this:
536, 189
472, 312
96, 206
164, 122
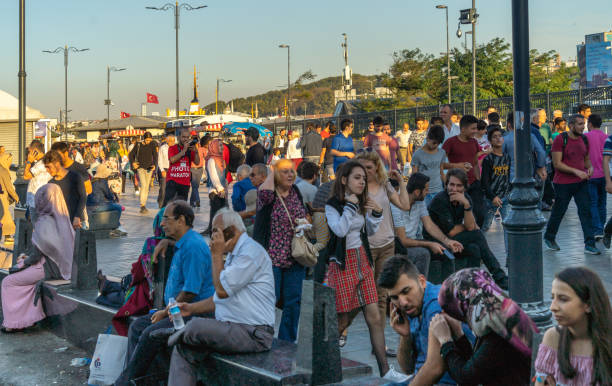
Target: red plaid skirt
354, 285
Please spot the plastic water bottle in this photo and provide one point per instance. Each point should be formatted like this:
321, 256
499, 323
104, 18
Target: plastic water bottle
175, 311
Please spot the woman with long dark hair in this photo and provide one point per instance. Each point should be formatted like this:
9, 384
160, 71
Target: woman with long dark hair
579, 350
352, 216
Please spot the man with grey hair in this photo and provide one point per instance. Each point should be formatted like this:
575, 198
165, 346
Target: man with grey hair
535, 125
243, 302
570, 157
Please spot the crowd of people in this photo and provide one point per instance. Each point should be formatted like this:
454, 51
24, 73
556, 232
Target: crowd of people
395, 224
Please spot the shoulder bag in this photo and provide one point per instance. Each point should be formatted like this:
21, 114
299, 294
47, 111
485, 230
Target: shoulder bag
302, 250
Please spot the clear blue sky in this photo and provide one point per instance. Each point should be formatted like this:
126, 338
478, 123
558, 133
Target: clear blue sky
238, 40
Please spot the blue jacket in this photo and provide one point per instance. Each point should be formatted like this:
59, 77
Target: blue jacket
240, 189
535, 130
100, 193
536, 148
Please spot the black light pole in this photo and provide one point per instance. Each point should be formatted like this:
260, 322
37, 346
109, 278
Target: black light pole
217, 93
22, 83
177, 9
65, 51
475, 16
524, 222
288, 86
107, 101
448, 75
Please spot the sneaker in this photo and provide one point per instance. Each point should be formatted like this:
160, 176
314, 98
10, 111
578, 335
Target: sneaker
606, 240
136, 193
591, 250
395, 376
552, 245
143, 210
598, 237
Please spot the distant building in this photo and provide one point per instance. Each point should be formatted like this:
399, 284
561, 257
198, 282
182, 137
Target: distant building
594, 58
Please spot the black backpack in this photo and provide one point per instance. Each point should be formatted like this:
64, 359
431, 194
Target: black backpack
565, 136
236, 158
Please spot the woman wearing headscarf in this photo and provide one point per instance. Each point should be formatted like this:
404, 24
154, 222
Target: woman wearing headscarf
7, 195
502, 352
217, 182
50, 258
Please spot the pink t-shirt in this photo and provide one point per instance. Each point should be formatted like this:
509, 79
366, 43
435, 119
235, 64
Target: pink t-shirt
596, 138
573, 156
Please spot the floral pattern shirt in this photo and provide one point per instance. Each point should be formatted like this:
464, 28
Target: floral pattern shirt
417, 139
281, 232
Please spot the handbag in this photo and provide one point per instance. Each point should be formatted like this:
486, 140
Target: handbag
108, 360
302, 250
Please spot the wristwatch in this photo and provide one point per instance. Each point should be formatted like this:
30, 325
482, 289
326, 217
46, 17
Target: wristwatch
467, 209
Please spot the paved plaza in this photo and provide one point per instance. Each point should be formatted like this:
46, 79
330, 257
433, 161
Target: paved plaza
115, 257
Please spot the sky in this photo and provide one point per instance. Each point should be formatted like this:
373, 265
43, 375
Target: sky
238, 40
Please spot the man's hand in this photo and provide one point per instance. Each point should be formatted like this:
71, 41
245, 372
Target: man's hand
580, 174
401, 327
497, 202
185, 310
135, 165
454, 245
590, 171
159, 315
372, 205
440, 329
459, 198
541, 172
32, 156
609, 187
218, 244
436, 248
76, 223
466, 167
160, 249
349, 154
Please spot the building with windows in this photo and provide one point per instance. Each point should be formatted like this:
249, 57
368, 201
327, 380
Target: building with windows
594, 58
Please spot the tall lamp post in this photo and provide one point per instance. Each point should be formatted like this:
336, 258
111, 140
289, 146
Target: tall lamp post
107, 101
217, 93
288, 85
177, 9
21, 75
448, 75
65, 51
524, 222
469, 16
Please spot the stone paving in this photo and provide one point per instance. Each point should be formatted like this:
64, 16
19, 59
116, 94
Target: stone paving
115, 257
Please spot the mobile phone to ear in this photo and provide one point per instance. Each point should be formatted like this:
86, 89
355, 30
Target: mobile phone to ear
228, 233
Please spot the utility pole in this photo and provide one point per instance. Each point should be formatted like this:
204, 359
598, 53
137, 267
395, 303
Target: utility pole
474, 17
288, 85
107, 101
217, 93
448, 75
22, 83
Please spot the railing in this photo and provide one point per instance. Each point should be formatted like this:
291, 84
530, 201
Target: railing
600, 100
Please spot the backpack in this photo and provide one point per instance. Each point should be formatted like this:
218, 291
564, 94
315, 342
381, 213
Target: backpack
236, 157
565, 136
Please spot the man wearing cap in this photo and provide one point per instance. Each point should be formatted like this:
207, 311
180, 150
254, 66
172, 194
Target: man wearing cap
180, 156
143, 158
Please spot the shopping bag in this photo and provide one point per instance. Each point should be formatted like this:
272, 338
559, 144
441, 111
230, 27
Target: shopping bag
108, 360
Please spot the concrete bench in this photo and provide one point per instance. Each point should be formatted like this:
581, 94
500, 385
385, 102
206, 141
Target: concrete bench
102, 223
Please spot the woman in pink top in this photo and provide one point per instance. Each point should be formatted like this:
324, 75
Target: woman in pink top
597, 182
579, 350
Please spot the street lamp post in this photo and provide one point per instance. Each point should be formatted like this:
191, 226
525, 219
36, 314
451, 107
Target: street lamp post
524, 221
448, 75
21, 75
65, 51
474, 58
107, 102
217, 93
288, 85
177, 9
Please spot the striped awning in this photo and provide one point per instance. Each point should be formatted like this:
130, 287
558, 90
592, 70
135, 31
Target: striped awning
129, 133
211, 127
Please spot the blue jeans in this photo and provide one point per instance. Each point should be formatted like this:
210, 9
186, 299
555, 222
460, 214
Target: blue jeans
597, 192
563, 195
288, 289
196, 176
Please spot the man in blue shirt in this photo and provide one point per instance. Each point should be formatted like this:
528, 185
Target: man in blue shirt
536, 147
342, 148
414, 302
189, 280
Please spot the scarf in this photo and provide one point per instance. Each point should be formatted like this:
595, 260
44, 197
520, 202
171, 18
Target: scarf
215, 151
53, 234
471, 296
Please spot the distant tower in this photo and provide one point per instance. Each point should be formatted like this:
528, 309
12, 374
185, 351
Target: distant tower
194, 107
347, 73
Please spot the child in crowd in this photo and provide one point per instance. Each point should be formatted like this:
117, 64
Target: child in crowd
276, 155
484, 146
429, 160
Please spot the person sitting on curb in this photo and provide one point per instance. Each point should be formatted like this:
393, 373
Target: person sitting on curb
414, 303
102, 199
243, 302
189, 280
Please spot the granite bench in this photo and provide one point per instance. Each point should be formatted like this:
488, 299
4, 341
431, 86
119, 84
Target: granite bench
102, 223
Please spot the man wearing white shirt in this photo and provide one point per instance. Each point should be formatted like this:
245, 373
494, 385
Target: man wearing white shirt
163, 164
403, 137
243, 302
450, 129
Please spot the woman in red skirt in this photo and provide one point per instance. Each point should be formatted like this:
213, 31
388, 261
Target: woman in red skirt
352, 216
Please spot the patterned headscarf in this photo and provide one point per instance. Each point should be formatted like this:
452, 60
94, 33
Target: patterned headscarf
215, 151
471, 296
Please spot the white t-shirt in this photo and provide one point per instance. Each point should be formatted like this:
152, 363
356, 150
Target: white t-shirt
40, 178
410, 219
403, 138
454, 130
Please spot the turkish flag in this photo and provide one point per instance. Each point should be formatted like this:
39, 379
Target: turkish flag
152, 98
124, 115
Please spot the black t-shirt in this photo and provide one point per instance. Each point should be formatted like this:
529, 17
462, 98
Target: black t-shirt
444, 214
256, 155
79, 169
329, 158
74, 193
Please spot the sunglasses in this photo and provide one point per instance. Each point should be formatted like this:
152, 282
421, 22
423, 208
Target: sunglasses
365, 150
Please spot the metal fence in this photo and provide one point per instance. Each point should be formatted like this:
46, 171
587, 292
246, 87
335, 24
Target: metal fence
600, 100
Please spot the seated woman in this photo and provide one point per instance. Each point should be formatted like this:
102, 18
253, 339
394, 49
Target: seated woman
50, 258
579, 350
102, 199
502, 352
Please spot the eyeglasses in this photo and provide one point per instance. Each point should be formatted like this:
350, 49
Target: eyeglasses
252, 175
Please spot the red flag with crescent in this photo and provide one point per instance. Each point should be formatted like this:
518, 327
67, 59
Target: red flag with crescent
125, 115
151, 98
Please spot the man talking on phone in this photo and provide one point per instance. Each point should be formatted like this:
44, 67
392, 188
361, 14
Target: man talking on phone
414, 303
243, 302
178, 176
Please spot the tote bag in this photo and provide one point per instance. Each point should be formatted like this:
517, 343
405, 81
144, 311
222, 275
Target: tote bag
108, 360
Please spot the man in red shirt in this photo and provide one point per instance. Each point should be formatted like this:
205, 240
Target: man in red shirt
178, 176
462, 152
382, 143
